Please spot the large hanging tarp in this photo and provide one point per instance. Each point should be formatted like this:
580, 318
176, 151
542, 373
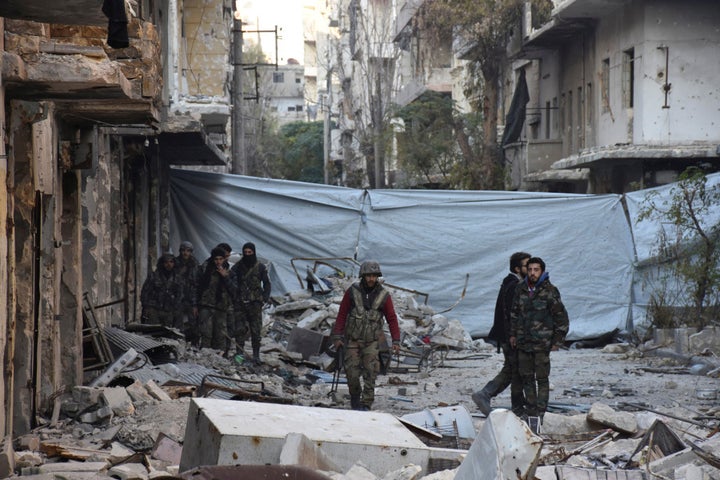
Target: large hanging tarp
424, 240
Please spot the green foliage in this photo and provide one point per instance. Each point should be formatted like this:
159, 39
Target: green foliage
485, 26
426, 143
295, 152
686, 251
435, 140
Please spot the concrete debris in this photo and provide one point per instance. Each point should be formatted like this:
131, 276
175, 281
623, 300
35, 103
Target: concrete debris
138, 421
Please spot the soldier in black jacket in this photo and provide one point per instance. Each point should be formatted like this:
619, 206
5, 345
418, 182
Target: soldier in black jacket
500, 334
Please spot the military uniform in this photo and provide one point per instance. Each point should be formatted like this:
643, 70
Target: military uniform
252, 288
214, 302
539, 322
162, 296
188, 271
360, 324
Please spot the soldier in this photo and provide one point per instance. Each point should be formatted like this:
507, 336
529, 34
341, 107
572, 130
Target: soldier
358, 326
214, 300
162, 294
252, 289
188, 269
500, 333
538, 325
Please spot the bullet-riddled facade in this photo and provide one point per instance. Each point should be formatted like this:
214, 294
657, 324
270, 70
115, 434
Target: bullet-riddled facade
89, 134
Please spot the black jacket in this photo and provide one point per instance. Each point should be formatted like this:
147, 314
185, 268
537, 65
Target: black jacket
500, 331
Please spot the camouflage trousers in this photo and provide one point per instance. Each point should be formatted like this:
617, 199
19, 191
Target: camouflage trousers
534, 370
248, 318
362, 359
212, 325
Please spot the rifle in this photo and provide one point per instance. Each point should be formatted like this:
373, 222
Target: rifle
339, 364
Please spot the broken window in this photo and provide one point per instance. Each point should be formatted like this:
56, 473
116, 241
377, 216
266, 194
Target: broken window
628, 77
605, 85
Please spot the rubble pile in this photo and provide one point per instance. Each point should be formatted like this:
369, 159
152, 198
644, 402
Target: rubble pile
130, 422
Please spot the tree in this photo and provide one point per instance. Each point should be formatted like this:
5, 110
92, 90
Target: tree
687, 245
426, 146
296, 152
366, 68
486, 26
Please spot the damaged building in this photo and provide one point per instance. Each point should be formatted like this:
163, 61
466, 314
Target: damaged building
97, 101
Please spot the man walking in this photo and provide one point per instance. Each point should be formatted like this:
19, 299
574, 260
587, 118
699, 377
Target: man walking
538, 325
500, 333
251, 284
358, 326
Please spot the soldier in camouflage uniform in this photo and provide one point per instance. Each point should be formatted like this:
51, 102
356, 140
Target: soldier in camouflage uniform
358, 326
188, 269
538, 325
162, 294
252, 289
214, 299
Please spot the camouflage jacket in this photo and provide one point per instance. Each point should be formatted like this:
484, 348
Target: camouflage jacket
162, 290
188, 272
251, 285
538, 321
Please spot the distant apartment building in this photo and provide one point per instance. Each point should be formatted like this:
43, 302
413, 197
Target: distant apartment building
284, 91
623, 95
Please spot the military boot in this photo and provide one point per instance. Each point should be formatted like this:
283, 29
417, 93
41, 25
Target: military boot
482, 400
355, 402
256, 356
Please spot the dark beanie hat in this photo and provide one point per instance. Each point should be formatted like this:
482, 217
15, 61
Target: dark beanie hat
249, 245
217, 252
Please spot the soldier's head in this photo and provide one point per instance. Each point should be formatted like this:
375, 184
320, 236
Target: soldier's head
167, 261
186, 249
226, 248
518, 263
217, 255
249, 258
535, 269
370, 272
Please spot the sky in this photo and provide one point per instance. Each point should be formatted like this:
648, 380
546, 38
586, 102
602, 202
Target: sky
264, 15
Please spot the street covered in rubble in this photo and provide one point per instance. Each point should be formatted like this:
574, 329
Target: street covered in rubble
165, 409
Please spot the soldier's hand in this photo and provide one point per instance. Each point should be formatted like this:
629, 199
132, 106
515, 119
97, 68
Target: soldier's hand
338, 344
195, 311
513, 342
396, 348
554, 348
223, 272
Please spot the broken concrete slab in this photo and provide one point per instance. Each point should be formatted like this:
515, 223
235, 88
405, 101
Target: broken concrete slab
300, 450
504, 448
129, 471
167, 449
222, 432
604, 415
555, 424
7, 457
156, 392
119, 401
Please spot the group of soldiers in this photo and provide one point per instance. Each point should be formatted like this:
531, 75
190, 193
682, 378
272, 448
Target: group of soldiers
212, 303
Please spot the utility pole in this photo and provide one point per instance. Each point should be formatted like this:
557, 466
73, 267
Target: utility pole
239, 160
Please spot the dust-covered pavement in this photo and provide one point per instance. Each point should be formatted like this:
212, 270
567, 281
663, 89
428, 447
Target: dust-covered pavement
578, 379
